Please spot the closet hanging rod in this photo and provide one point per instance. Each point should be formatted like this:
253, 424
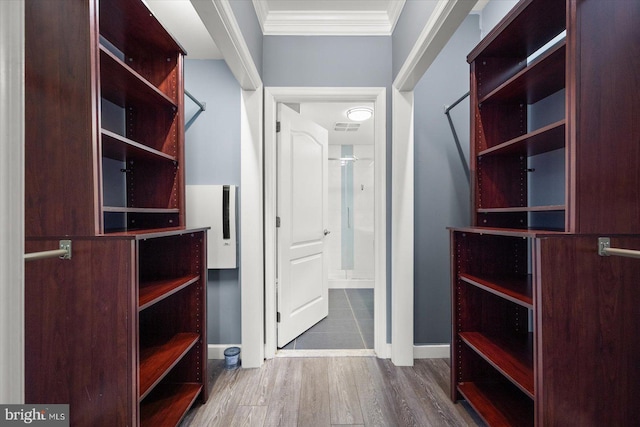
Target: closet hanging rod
201, 107
463, 160
63, 253
605, 249
448, 108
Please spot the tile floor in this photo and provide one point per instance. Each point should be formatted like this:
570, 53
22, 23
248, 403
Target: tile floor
349, 324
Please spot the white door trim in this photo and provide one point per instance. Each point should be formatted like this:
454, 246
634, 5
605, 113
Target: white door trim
273, 95
12, 201
402, 233
251, 230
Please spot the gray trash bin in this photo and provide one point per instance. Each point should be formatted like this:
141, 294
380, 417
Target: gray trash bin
232, 357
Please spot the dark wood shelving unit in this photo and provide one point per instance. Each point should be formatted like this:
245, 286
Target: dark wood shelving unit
541, 325
119, 331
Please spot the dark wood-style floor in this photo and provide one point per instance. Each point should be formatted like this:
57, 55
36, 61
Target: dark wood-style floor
331, 391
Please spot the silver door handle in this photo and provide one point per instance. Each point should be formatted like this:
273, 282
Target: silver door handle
326, 231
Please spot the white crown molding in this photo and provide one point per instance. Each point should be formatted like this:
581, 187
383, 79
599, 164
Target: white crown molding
221, 23
328, 23
394, 10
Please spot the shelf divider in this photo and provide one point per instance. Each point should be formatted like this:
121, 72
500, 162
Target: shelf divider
513, 359
168, 404
543, 140
514, 289
118, 147
157, 361
497, 406
155, 291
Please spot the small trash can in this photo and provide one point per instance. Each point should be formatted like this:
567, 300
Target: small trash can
232, 357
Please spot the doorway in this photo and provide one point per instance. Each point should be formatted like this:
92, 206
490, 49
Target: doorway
375, 282
349, 235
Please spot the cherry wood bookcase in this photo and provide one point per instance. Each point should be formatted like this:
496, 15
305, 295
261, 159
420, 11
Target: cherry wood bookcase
544, 330
118, 332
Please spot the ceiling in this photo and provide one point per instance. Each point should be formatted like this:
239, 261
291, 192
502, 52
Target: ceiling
282, 17
294, 17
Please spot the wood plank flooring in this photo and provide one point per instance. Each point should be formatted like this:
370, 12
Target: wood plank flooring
331, 391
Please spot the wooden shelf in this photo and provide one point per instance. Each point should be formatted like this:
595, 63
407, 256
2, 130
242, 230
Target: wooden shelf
498, 406
157, 361
514, 289
541, 78
121, 84
543, 140
118, 147
121, 23
509, 232
119, 209
549, 208
153, 233
168, 404
155, 291
513, 357
528, 26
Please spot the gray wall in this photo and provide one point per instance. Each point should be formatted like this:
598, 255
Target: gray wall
326, 61
414, 16
441, 187
212, 152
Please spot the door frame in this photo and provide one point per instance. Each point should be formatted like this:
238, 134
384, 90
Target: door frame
376, 95
12, 134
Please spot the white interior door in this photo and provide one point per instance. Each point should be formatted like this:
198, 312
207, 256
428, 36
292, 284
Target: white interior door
302, 211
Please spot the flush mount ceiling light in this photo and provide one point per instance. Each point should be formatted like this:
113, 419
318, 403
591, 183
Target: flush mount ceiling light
359, 114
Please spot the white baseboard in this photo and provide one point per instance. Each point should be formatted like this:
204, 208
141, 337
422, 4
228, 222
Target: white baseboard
351, 283
431, 351
216, 351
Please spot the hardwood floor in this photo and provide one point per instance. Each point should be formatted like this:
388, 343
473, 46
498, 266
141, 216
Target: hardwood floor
331, 391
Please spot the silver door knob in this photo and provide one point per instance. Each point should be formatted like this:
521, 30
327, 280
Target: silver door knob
326, 231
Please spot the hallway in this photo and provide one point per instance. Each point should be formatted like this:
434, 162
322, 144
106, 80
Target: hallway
323, 392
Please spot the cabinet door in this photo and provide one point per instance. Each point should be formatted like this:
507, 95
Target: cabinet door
79, 331
587, 370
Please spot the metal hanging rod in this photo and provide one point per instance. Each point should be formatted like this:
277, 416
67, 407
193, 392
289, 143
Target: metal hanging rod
458, 101
605, 249
201, 105
455, 134
63, 253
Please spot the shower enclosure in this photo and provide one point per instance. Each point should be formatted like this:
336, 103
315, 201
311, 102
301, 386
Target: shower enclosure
351, 219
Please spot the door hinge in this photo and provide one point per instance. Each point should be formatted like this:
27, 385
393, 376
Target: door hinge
277, 127
278, 317
277, 222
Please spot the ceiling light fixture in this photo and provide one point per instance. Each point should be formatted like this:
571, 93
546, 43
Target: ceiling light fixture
359, 114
